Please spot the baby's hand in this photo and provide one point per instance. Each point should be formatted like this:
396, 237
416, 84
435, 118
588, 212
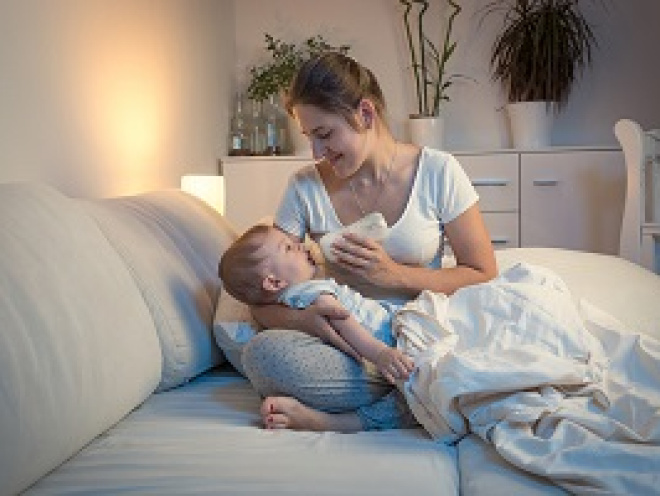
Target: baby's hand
394, 365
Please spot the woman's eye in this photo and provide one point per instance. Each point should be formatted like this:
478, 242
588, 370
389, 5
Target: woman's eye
325, 135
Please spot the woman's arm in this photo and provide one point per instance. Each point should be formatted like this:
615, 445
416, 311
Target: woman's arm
313, 320
470, 242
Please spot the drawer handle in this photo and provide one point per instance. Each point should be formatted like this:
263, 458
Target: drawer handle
490, 182
546, 182
500, 241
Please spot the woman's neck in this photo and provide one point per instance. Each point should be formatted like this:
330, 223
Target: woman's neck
381, 160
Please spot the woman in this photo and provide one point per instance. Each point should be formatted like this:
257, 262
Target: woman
309, 377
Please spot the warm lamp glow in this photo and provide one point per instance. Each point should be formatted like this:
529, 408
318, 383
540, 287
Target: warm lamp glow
210, 189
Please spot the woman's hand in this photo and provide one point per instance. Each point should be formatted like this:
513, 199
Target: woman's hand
366, 259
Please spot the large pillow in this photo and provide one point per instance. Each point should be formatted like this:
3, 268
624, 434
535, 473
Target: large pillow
621, 288
78, 347
172, 242
233, 327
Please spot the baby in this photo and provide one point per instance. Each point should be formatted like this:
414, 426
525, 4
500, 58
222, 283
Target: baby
267, 266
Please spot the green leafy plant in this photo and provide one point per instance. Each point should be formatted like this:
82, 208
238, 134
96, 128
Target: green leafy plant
274, 76
428, 63
543, 48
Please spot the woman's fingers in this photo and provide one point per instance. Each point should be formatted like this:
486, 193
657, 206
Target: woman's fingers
355, 250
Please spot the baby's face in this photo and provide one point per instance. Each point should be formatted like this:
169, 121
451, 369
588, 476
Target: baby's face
287, 259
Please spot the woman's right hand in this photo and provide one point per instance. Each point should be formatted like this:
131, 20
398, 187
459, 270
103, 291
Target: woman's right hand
316, 320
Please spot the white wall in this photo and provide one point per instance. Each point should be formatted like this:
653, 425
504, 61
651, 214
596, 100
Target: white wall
110, 97
624, 80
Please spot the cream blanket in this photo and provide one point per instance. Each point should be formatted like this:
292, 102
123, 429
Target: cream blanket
560, 388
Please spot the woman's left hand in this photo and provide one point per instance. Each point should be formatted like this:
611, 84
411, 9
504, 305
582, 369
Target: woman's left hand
366, 259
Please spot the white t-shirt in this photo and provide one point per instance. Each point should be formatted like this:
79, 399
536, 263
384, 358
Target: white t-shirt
441, 192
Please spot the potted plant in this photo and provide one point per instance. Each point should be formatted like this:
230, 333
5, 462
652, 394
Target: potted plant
274, 76
269, 80
541, 51
429, 68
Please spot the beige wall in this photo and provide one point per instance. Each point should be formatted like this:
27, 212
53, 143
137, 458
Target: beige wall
624, 80
110, 97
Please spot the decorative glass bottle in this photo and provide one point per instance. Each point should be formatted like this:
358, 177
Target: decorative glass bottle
239, 131
275, 127
257, 129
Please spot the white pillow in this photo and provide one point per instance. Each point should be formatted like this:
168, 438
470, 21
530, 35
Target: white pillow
78, 346
171, 242
233, 327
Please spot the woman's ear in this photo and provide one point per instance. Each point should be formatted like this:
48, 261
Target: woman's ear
367, 113
273, 284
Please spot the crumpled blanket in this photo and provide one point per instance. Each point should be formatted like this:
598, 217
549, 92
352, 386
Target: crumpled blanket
558, 387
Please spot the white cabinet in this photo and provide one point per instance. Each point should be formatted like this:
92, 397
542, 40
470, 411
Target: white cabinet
556, 197
495, 176
254, 186
572, 199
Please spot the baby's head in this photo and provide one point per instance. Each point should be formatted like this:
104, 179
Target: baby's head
262, 262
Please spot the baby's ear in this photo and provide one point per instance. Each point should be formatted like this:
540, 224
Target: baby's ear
273, 284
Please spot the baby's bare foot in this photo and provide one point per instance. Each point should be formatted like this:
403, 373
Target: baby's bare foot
283, 412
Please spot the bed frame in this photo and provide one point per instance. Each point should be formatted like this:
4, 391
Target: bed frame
640, 227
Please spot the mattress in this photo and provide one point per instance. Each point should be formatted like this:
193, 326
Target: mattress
203, 438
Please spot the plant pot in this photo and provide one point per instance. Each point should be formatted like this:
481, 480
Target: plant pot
531, 124
427, 131
300, 144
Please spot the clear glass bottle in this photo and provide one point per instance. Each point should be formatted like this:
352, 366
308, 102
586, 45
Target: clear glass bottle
239, 130
275, 127
257, 129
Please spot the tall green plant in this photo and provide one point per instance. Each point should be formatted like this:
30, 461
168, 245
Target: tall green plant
543, 48
274, 76
427, 62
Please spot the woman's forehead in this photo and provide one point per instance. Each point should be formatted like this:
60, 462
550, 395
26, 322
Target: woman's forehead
312, 116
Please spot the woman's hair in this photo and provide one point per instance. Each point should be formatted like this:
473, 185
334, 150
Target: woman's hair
240, 267
335, 83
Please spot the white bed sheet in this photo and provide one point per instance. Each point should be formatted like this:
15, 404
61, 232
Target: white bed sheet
203, 439
564, 393
626, 291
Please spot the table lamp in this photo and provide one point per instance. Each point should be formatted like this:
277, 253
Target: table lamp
210, 189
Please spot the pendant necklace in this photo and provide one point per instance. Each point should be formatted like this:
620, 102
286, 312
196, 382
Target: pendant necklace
381, 185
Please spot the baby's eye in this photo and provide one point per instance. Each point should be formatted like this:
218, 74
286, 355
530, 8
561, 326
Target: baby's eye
325, 135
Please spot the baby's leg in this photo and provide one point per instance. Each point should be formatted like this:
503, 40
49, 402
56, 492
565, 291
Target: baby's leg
283, 363
285, 412
292, 363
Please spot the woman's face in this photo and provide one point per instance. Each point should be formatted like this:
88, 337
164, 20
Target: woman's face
333, 138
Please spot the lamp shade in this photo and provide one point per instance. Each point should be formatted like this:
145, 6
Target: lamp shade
210, 189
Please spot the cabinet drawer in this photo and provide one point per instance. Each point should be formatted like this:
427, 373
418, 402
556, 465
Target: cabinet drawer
495, 177
503, 229
572, 200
